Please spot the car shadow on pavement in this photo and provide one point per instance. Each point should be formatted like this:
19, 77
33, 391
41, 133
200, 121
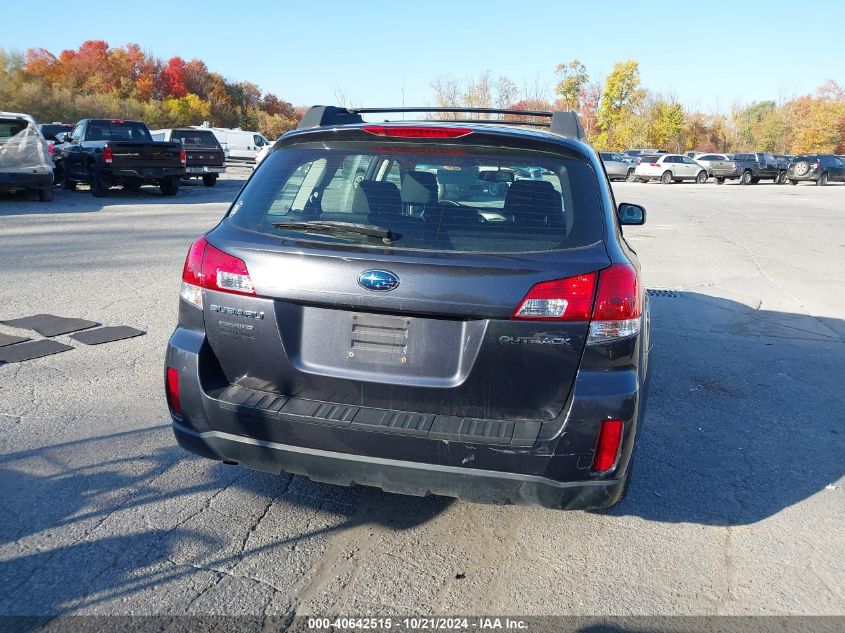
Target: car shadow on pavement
743, 417
84, 530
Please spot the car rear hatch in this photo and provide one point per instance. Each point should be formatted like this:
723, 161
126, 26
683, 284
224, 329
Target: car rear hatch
144, 155
201, 148
436, 312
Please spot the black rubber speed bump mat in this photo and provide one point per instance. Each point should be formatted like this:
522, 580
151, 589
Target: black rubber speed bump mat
8, 339
106, 334
50, 325
31, 349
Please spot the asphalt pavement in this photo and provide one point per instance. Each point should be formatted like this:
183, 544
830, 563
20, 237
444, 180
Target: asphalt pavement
736, 506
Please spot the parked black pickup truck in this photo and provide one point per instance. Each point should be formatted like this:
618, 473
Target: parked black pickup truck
106, 152
748, 168
205, 156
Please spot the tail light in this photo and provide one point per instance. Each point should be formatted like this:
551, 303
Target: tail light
107, 155
182, 157
607, 446
618, 307
50, 148
171, 386
610, 299
417, 131
814, 165
569, 299
655, 164
210, 268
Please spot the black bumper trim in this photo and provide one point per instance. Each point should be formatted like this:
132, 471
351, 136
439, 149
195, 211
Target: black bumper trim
398, 476
444, 427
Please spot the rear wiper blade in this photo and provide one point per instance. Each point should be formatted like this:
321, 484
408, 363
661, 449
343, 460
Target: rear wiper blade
334, 228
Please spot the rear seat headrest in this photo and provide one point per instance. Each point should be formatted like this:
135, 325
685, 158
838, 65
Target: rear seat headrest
376, 198
533, 202
419, 187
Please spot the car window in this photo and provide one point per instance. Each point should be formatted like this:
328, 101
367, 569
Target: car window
649, 158
688, 161
436, 199
117, 131
605, 156
194, 138
12, 127
76, 134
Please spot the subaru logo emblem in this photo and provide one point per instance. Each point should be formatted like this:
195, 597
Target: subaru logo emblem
378, 280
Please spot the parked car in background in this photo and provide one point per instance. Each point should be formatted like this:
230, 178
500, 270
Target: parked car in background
239, 144
25, 163
637, 153
106, 152
722, 169
204, 157
705, 159
618, 166
374, 335
818, 168
50, 130
668, 168
758, 166
262, 154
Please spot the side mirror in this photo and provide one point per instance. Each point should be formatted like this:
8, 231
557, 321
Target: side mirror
62, 137
631, 214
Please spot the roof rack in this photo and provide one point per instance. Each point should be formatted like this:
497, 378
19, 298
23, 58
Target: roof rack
563, 123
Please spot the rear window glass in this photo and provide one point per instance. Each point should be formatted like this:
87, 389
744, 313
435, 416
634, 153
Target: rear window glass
50, 130
200, 138
468, 199
649, 159
117, 131
11, 127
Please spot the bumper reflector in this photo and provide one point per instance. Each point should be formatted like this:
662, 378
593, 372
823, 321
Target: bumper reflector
607, 446
172, 388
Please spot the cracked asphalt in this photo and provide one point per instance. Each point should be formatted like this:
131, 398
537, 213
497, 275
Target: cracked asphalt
736, 506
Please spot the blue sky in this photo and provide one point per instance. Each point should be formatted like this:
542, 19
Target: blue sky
709, 56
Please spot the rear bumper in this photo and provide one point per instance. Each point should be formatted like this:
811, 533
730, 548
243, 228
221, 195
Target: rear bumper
346, 444
15, 181
724, 173
147, 174
812, 176
402, 477
193, 170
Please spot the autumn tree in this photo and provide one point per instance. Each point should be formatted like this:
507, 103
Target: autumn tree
621, 97
573, 79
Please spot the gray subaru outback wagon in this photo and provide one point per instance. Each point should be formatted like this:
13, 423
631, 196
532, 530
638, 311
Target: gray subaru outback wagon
351, 320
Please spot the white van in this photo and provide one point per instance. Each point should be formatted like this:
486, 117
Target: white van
238, 144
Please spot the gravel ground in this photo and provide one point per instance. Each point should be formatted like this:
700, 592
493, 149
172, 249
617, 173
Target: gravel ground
736, 506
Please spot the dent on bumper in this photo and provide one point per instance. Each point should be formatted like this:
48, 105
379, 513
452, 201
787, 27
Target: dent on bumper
397, 476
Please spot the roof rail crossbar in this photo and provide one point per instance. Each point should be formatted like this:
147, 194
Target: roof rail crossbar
541, 113
545, 124
563, 123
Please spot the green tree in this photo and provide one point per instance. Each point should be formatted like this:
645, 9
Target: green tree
666, 126
621, 98
573, 79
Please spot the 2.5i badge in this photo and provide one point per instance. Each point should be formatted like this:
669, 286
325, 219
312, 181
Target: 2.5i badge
249, 314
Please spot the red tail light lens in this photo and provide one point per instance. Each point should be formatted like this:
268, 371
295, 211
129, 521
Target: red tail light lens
618, 296
226, 273
107, 154
607, 446
182, 156
619, 305
209, 267
655, 164
569, 299
416, 131
172, 390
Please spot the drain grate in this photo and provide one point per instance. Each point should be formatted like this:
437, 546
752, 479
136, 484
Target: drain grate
663, 292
